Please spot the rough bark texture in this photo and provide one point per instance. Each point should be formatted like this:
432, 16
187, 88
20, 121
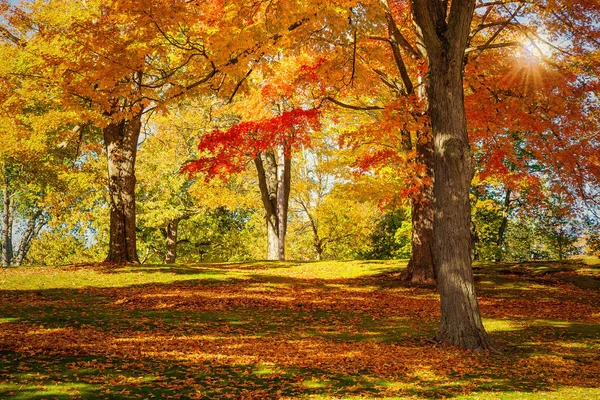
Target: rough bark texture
443, 35
7, 226
421, 267
274, 177
171, 254
120, 140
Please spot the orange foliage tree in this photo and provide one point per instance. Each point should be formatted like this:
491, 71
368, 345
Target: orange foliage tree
424, 72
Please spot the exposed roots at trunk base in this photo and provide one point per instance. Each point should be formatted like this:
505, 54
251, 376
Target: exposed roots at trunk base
120, 260
477, 342
418, 274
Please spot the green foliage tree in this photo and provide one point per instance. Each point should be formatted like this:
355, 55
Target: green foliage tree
391, 236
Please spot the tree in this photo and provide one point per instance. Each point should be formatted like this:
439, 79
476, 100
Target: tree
228, 152
390, 239
326, 208
42, 154
443, 31
558, 227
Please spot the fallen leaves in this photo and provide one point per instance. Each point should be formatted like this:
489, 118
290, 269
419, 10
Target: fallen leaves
277, 336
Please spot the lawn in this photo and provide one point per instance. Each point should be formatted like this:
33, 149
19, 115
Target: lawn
292, 330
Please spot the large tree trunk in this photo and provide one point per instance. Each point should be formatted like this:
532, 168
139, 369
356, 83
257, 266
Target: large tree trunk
274, 177
421, 267
7, 225
120, 139
444, 39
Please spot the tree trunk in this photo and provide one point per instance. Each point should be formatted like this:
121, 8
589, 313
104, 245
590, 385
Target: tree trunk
272, 237
444, 39
503, 224
421, 267
317, 241
274, 177
284, 177
120, 139
319, 250
474, 241
171, 254
460, 318
31, 231
7, 225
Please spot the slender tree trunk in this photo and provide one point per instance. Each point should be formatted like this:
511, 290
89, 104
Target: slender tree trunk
172, 229
7, 226
503, 225
421, 267
317, 241
284, 176
121, 139
31, 231
474, 241
561, 242
443, 34
274, 176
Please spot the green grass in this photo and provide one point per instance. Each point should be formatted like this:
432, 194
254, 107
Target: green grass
292, 330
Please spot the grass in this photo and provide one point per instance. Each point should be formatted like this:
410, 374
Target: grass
292, 330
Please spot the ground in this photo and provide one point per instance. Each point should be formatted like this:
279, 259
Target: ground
292, 330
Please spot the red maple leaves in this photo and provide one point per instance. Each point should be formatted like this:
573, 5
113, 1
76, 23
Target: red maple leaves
226, 152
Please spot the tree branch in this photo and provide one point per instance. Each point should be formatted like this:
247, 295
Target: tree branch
488, 44
492, 46
354, 107
239, 84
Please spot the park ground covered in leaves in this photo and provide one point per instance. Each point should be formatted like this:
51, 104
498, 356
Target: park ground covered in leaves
292, 330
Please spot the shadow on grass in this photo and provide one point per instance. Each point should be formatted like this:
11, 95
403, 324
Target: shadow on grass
196, 268
434, 373
267, 336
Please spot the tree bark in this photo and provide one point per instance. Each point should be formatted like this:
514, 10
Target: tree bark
421, 267
284, 177
7, 225
172, 230
120, 140
274, 178
443, 36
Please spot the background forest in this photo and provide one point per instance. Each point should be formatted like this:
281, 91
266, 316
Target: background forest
238, 106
